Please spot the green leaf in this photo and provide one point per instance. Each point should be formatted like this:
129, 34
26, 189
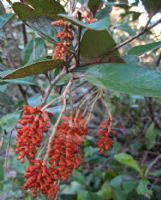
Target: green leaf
9, 121
151, 135
19, 167
94, 5
95, 44
102, 24
42, 25
124, 183
123, 5
4, 19
128, 160
79, 177
34, 69
4, 73
126, 28
122, 186
131, 79
2, 9
141, 49
82, 1
156, 173
152, 6
71, 189
32, 8
34, 49
86, 195
21, 81
1, 175
6, 100
105, 192
103, 12
142, 188
3, 87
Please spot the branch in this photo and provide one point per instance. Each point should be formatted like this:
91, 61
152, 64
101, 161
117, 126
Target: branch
7, 150
23, 93
146, 29
158, 60
58, 120
152, 164
25, 39
53, 83
57, 78
79, 39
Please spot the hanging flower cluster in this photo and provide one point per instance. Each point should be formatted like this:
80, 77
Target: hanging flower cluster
65, 154
104, 142
40, 177
65, 38
34, 124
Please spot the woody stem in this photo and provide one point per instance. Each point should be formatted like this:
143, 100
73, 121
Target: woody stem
58, 120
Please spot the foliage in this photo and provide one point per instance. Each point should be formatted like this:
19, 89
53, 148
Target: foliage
110, 68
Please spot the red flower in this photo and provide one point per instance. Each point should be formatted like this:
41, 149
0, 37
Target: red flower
62, 50
60, 23
104, 142
91, 20
34, 124
66, 153
38, 176
65, 38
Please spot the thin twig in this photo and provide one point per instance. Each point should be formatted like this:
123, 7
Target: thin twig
25, 39
24, 94
98, 96
58, 120
83, 95
50, 103
79, 39
2, 140
146, 29
149, 101
158, 60
7, 150
152, 164
53, 83
57, 78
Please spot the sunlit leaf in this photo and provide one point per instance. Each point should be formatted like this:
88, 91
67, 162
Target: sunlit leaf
34, 69
128, 160
32, 8
126, 78
34, 49
4, 19
143, 188
102, 24
141, 49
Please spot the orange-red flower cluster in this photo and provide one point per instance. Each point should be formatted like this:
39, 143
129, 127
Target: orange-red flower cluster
65, 38
104, 141
91, 20
38, 176
34, 124
66, 153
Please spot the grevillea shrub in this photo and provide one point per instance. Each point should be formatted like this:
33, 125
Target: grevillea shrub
64, 78
64, 149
